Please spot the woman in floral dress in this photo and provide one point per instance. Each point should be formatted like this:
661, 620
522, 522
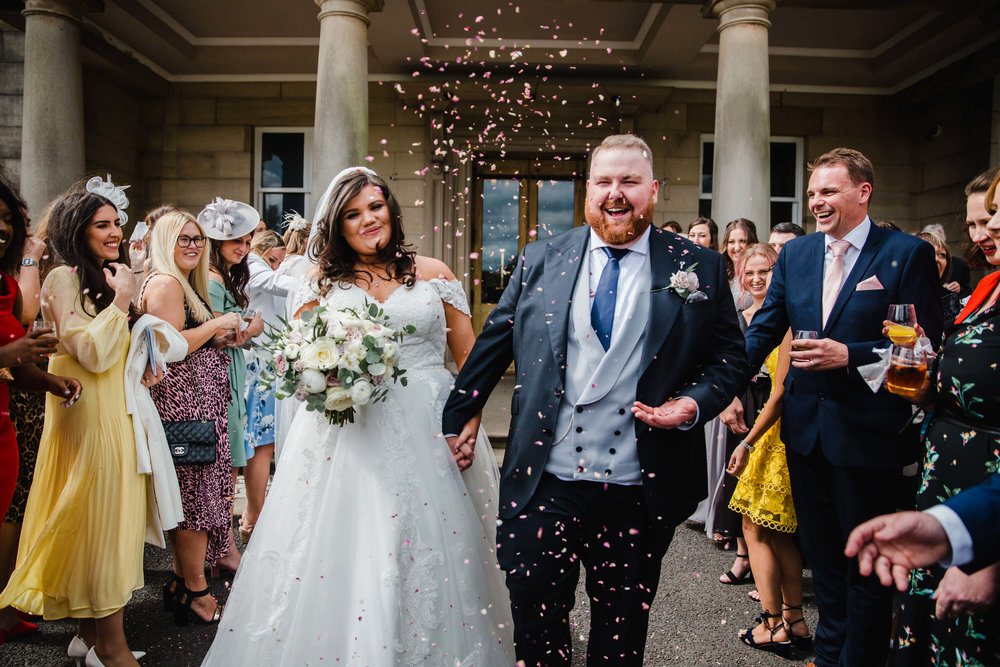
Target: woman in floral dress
962, 448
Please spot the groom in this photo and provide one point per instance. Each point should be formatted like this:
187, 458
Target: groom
625, 341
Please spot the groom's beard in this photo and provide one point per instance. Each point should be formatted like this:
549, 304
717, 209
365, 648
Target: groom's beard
619, 233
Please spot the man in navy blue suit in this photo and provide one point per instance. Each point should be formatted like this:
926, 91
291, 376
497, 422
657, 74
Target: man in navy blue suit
843, 442
963, 532
625, 341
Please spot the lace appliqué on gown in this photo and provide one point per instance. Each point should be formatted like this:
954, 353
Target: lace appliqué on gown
372, 548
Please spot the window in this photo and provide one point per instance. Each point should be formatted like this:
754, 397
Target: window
283, 173
786, 179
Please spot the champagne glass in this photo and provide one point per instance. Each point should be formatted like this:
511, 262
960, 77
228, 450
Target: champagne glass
907, 371
247, 316
804, 334
903, 322
42, 325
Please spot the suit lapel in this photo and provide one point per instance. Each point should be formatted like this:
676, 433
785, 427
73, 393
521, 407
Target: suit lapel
562, 267
868, 251
663, 303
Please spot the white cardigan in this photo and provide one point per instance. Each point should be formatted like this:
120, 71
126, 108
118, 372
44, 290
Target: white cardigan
163, 493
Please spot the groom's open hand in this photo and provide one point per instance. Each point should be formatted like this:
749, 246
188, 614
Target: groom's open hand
675, 412
463, 445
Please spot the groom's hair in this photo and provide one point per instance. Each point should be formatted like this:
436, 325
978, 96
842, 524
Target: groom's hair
624, 141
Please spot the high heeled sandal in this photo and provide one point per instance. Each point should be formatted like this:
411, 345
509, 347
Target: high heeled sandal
183, 610
733, 580
169, 595
804, 642
780, 649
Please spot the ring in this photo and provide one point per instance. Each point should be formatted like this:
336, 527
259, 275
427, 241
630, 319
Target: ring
811, 362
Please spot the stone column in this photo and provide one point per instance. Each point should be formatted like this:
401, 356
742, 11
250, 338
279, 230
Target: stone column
340, 137
741, 179
52, 143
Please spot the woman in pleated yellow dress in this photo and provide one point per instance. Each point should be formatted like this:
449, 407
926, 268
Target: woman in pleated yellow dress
80, 554
763, 495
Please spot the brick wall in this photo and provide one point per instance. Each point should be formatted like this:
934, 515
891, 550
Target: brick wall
11, 87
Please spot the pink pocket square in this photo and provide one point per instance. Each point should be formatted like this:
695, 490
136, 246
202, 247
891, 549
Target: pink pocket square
871, 283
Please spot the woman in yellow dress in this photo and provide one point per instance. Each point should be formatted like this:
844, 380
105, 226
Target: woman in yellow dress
763, 495
80, 554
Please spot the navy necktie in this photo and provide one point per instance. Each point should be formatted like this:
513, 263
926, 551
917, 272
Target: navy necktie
602, 313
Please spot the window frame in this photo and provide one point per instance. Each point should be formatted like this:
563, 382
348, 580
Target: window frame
795, 201
307, 167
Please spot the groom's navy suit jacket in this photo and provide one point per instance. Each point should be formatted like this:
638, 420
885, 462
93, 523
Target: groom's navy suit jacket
855, 427
691, 349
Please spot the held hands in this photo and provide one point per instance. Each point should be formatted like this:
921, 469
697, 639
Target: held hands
822, 354
961, 593
464, 445
733, 417
893, 544
227, 330
675, 412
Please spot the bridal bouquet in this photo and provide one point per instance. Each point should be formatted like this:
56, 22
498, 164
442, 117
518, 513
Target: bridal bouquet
335, 360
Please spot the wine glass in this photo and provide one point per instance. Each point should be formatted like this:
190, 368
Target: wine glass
903, 322
907, 370
804, 334
44, 325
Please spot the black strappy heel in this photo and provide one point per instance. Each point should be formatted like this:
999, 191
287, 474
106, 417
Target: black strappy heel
780, 649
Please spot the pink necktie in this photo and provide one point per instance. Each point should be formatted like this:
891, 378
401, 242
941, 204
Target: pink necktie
834, 277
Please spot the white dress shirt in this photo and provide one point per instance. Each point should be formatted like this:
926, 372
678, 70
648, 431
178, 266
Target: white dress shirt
958, 535
630, 266
856, 237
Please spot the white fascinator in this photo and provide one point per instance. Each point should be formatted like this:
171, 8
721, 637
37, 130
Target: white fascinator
226, 219
113, 193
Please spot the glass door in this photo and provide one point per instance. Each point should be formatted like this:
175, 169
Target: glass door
512, 210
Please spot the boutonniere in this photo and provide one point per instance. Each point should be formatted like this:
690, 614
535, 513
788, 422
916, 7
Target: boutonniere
684, 283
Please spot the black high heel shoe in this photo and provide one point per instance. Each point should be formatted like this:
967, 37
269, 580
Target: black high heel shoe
169, 595
183, 611
733, 580
803, 643
780, 649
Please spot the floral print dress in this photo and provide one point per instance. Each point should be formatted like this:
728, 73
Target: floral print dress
962, 448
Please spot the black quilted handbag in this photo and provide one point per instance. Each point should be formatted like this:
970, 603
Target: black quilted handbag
192, 442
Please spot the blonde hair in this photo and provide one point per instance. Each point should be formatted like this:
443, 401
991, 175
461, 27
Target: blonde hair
296, 241
164, 241
266, 241
624, 141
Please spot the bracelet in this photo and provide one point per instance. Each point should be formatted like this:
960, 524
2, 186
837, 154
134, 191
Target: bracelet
748, 446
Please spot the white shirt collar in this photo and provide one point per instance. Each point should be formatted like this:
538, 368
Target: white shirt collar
856, 237
640, 245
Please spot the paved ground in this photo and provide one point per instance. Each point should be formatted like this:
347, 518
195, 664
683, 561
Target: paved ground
694, 619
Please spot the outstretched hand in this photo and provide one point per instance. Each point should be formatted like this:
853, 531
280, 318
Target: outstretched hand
675, 412
463, 446
893, 544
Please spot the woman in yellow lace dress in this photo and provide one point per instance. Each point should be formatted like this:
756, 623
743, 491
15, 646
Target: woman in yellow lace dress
763, 495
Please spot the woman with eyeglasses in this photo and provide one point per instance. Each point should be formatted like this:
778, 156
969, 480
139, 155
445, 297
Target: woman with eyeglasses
197, 389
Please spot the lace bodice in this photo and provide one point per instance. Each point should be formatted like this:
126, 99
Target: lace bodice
420, 305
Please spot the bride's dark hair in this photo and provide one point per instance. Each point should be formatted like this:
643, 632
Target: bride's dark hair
334, 255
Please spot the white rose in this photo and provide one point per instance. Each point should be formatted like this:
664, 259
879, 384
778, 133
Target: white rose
313, 381
389, 352
292, 351
354, 352
337, 399
692, 279
320, 354
361, 392
679, 281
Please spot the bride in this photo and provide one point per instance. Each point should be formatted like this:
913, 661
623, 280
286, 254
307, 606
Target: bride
373, 548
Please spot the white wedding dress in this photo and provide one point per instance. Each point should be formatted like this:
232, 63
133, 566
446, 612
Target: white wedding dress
372, 549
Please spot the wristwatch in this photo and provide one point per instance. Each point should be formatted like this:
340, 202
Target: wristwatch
747, 445
27, 261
